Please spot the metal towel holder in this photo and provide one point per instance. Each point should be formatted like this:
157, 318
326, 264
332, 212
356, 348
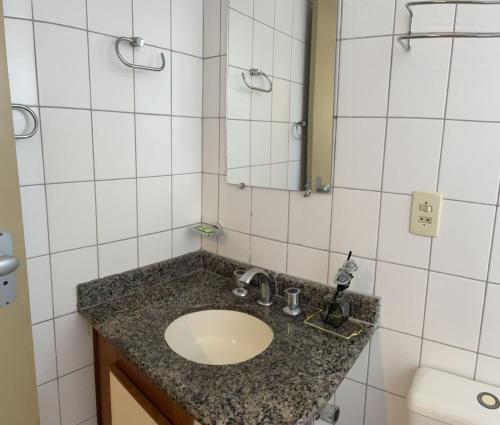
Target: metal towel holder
258, 73
30, 112
412, 36
136, 42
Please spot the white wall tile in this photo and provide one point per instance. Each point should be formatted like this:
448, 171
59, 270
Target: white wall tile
62, 65
302, 20
270, 213
186, 145
403, 291
234, 206
364, 76
396, 243
210, 146
117, 257
187, 26
474, 91
467, 143
186, 199
348, 397
48, 404
238, 99
40, 289
154, 145
113, 198
244, 6
394, 358
359, 152
300, 62
17, 8
310, 220
488, 370
67, 145
66, 12
212, 27
187, 82
359, 371
210, 198
152, 21
260, 143
412, 155
21, 61
155, 248
385, 409
264, 11
494, 270
463, 250
455, 323
153, 89
283, 20
355, 222
364, 279
223, 25
72, 217
281, 100
211, 87
185, 240
112, 17
307, 263
490, 333
111, 81
73, 342
263, 47
358, 18
222, 147
45, 352
34, 213
282, 55
92, 421
235, 245
419, 80
154, 204
448, 359
77, 392
114, 145
268, 254
238, 148
68, 270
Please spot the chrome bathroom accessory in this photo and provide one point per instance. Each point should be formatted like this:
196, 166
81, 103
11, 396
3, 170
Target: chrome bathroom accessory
240, 290
8, 266
292, 297
421, 35
266, 296
300, 129
30, 112
136, 42
258, 73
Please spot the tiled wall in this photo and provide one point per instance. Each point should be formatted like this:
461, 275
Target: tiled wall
113, 178
424, 120
263, 145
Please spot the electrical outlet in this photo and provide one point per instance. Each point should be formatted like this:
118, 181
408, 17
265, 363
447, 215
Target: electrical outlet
426, 213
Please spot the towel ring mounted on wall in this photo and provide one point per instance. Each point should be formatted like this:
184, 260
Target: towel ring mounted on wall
136, 42
258, 73
30, 112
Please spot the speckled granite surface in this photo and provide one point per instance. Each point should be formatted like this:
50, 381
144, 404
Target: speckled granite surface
286, 384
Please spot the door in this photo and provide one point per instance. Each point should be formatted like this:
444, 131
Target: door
18, 400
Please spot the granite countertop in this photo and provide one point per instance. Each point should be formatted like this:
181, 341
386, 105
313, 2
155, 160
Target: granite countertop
286, 384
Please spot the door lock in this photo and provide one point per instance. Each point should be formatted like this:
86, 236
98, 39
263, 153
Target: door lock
8, 267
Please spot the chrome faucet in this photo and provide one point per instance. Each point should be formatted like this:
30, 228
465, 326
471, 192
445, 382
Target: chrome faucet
266, 297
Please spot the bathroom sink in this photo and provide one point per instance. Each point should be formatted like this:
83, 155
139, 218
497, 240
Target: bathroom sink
218, 337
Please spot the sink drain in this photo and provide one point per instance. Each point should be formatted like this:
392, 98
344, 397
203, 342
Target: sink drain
488, 400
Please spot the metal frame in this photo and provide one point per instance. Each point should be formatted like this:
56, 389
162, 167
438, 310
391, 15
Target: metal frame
258, 73
426, 35
136, 42
33, 116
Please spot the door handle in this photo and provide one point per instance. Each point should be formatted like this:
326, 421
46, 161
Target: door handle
8, 264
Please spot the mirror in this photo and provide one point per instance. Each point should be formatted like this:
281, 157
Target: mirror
280, 93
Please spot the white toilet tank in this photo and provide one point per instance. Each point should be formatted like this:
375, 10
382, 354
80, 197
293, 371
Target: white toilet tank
437, 398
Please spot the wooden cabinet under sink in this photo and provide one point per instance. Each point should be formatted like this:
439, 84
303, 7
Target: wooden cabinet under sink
125, 396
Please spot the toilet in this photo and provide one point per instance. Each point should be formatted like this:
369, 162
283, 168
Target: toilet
437, 398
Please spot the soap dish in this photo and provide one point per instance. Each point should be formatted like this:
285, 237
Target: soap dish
351, 328
205, 229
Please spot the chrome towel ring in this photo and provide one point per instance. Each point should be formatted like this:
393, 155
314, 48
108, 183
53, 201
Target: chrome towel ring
30, 112
258, 73
136, 42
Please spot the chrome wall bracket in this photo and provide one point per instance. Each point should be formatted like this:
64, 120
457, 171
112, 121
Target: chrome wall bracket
258, 73
136, 42
28, 112
8, 267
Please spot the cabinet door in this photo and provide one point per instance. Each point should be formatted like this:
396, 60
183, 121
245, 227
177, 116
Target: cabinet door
128, 405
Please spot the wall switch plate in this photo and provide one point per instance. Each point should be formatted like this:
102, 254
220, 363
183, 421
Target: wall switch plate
426, 213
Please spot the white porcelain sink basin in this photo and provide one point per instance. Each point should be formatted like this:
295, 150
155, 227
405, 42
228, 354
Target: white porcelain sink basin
218, 337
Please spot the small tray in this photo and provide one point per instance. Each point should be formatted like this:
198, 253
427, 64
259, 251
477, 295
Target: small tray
349, 329
209, 230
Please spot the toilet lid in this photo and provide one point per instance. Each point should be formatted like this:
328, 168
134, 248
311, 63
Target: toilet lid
453, 399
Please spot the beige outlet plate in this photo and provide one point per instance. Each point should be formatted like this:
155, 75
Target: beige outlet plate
426, 213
